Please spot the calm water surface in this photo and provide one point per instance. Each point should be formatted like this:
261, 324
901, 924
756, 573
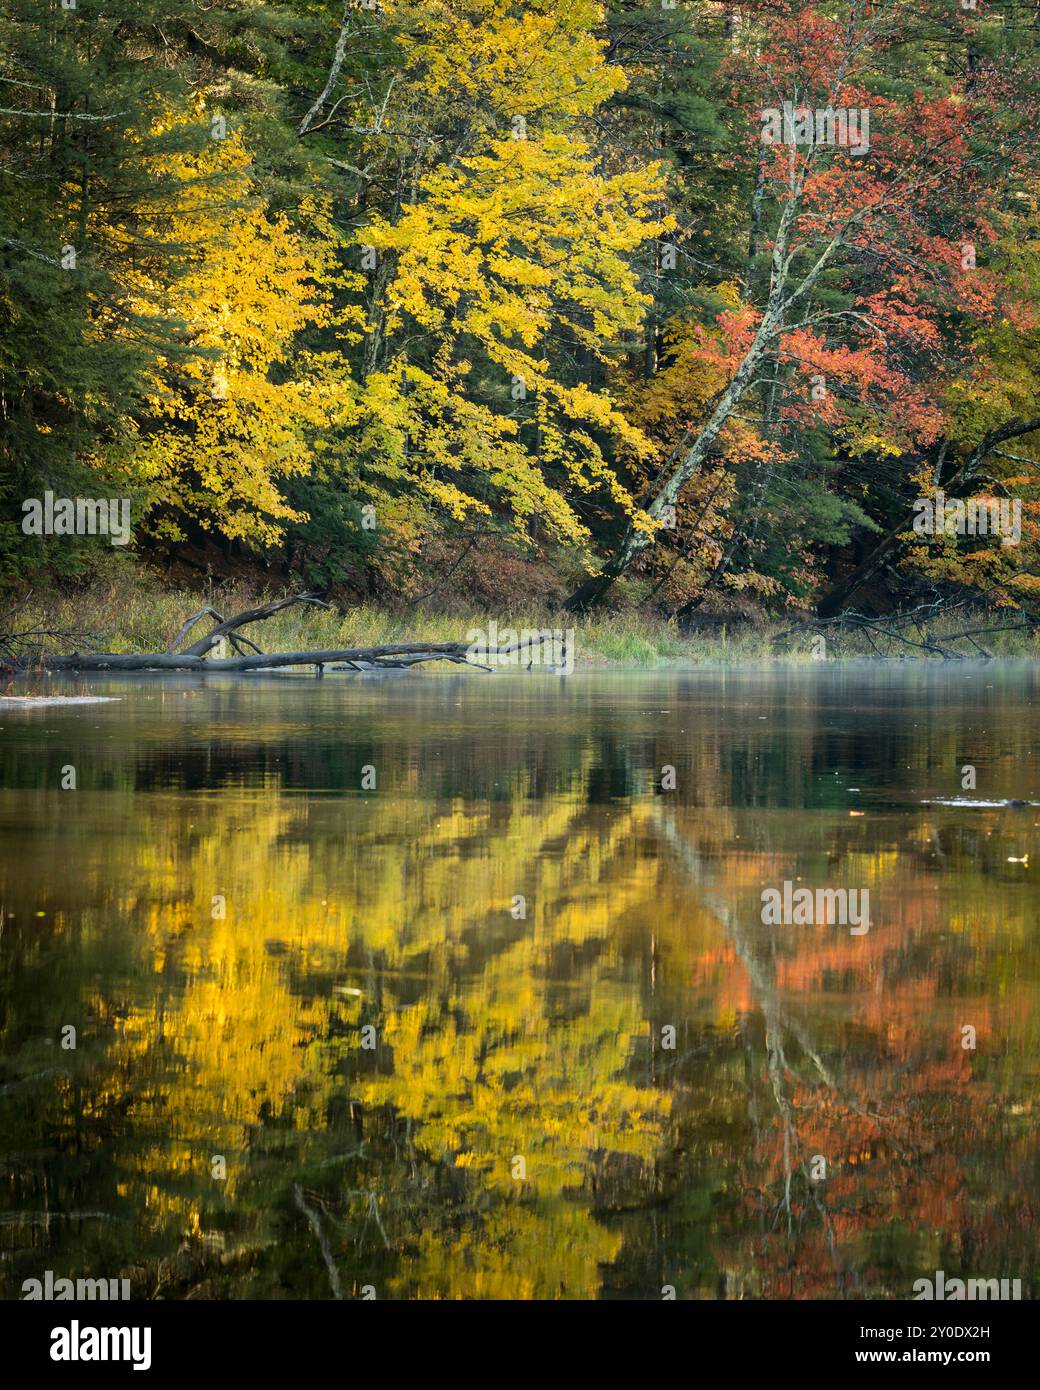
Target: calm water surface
508, 1023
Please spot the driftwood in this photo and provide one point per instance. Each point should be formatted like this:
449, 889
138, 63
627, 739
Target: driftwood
396, 656
407, 654
880, 633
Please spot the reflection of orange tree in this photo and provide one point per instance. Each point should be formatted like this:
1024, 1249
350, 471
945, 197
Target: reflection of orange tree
486, 1044
891, 1121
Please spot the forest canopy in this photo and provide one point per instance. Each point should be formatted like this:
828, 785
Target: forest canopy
646, 300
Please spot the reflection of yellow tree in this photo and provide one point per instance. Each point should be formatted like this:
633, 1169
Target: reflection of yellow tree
539, 1038
499, 1055
495, 1077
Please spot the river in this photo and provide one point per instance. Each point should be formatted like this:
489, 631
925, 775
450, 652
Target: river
458, 986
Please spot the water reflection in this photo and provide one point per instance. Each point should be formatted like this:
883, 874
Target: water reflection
418, 1039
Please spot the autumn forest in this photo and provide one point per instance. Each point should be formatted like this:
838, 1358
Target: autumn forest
667, 303
680, 949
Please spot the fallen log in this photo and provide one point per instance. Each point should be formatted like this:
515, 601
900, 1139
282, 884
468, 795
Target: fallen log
395, 656
410, 652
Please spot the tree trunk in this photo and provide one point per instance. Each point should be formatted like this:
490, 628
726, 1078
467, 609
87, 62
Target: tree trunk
588, 594
635, 541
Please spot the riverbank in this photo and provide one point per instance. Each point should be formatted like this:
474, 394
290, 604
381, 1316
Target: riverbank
144, 617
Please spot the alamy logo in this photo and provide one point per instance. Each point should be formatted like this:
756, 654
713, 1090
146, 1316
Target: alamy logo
821, 907
954, 1289
976, 516
552, 648
61, 1289
848, 127
77, 516
76, 1343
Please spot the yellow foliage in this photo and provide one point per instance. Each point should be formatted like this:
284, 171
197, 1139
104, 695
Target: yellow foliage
224, 430
498, 254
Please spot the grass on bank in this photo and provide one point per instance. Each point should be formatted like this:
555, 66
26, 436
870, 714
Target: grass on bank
144, 617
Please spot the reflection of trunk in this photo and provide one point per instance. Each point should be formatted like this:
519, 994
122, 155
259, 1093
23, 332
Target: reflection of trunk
763, 985
761, 975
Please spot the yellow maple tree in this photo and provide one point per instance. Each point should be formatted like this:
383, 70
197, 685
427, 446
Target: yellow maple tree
228, 420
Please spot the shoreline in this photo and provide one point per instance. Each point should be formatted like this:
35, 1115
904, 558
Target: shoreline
126, 619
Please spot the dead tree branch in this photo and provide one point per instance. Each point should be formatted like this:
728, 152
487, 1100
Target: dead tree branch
891, 628
395, 656
225, 626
